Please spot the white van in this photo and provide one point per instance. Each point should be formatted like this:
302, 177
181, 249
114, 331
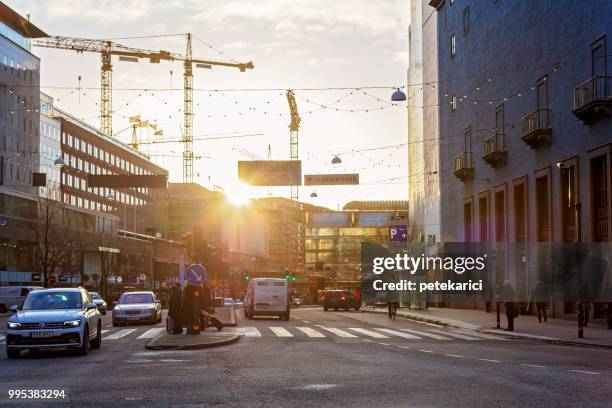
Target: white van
14, 295
267, 297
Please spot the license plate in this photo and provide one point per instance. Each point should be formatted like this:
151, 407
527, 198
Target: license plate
133, 318
42, 334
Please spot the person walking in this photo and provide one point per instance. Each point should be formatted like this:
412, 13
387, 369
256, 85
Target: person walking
508, 298
175, 308
488, 296
540, 297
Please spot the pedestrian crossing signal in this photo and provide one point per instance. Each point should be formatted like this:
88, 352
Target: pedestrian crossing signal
247, 277
293, 278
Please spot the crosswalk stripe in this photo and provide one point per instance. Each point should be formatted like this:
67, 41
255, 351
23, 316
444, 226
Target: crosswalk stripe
480, 335
280, 331
337, 332
368, 333
310, 332
451, 334
248, 331
119, 334
426, 334
149, 334
399, 334
104, 331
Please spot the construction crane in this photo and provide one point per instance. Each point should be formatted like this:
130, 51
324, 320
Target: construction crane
107, 49
294, 128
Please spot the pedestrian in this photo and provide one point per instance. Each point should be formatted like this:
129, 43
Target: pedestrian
540, 297
508, 298
608, 300
498, 291
175, 308
488, 295
585, 300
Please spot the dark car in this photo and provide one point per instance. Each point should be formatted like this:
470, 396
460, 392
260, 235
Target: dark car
340, 299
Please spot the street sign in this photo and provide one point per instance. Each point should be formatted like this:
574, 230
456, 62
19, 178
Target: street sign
119, 279
398, 233
270, 172
196, 274
331, 179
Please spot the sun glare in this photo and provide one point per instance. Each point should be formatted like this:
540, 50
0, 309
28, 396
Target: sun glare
238, 194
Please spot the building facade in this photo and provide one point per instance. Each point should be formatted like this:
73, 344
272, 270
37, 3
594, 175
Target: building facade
525, 97
50, 148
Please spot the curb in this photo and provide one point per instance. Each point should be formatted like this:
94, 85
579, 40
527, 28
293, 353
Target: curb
195, 346
506, 334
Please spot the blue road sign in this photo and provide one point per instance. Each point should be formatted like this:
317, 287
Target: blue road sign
398, 233
196, 274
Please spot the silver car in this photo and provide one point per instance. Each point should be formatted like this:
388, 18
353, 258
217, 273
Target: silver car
134, 307
54, 318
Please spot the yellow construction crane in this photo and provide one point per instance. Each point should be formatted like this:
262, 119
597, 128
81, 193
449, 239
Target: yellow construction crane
294, 128
107, 49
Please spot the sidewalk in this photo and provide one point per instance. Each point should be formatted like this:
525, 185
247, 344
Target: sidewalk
206, 339
559, 331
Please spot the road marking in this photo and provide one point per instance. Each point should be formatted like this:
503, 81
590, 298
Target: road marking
399, 334
104, 331
144, 360
248, 331
149, 334
384, 344
280, 331
451, 334
337, 332
427, 334
172, 360
426, 351
369, 333
453, 355
533, 365
305, 321
310, 332
369, 341
489, 360
584, 372
480, 335
119, 334
404, 347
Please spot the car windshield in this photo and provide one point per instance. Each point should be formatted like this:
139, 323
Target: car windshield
128, 298
52, 300
94, 295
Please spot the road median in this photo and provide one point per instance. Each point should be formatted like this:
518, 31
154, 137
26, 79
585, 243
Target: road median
204, 340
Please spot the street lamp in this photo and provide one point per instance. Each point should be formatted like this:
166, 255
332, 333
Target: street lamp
59, 162
336, 160
314, 194
398, 96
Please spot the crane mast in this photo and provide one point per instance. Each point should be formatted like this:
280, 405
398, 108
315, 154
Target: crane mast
294, 128
188, 117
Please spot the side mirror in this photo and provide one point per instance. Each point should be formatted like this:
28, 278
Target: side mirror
91, 306
114, 303
13, 308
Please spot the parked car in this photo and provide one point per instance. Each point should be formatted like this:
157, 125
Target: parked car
340, 299
134, 307
296, 301
228, 302
100, 303
54, 318
239, 303
267, 297
14, 295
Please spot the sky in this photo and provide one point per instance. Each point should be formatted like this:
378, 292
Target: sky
306, 45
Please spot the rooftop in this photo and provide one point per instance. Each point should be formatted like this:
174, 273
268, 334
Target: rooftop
377, 205
18, 23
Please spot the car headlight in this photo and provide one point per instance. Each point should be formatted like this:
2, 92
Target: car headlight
117, 310
72, 323
14, 325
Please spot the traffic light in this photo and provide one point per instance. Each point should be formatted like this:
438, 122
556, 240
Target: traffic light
247, 277
287, 276
293, 278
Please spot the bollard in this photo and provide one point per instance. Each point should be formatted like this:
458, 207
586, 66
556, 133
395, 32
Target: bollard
580, 321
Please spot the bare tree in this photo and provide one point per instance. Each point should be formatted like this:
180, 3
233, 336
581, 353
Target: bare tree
105, 238
50, 233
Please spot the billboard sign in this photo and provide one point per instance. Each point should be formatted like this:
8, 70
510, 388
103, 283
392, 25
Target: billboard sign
331, 179
270, 172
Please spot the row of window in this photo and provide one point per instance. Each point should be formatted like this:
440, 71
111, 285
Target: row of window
79, 183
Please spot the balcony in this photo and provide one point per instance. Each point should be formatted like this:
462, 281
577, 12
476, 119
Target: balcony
593, 99
495, 152
537, 128
464, 167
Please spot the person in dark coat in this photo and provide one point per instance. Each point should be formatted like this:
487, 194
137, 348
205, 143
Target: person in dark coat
540, 297
508, 298
175, 308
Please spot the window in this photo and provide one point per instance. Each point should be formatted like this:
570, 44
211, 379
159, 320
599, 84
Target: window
543, 207
520, 211
466, 20
499, 119
454, 103
453, 45
542, 93
598, 57
599, 197
500, 214
569, 201
483, 216
467, 139
467, 220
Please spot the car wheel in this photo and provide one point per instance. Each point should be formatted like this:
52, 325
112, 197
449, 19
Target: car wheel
346, 309
84, 349
287, 316
13, 353
336, 309
116, 324
97, 342
325, 308
2, 308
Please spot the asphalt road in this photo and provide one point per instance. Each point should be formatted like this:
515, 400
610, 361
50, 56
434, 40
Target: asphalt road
320, 359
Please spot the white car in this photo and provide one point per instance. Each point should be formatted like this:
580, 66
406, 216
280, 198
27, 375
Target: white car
54, 318
267, 297
134, 307
228, 302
